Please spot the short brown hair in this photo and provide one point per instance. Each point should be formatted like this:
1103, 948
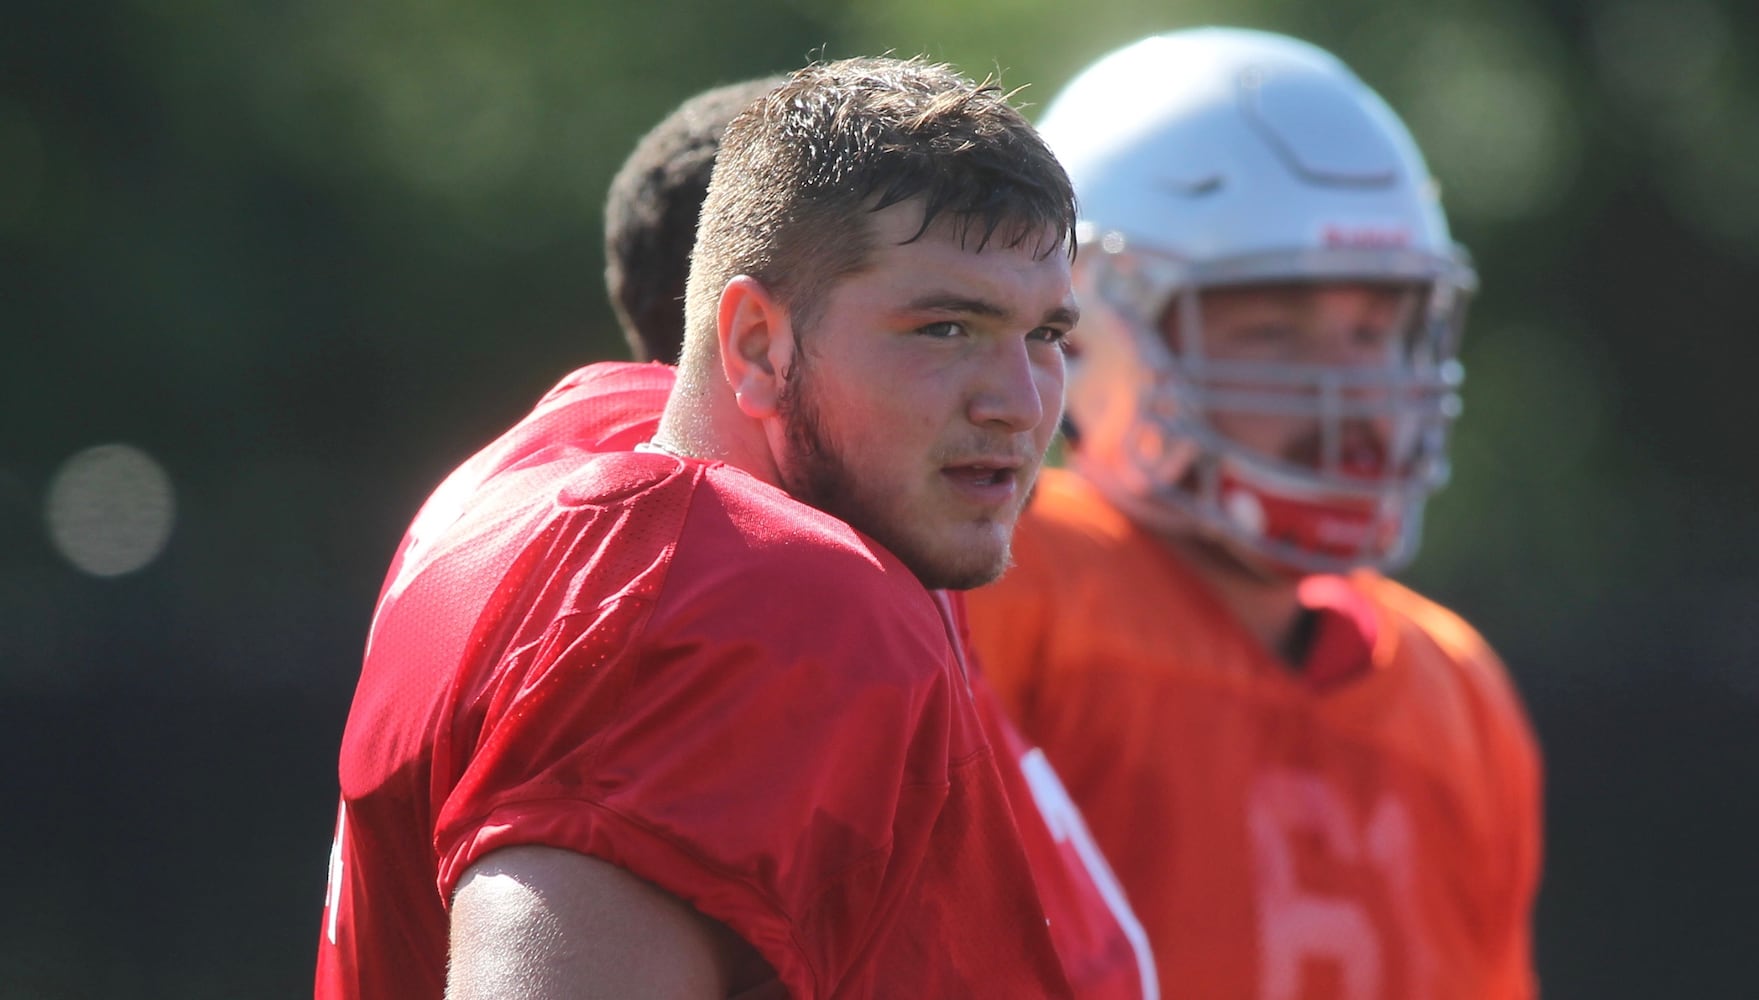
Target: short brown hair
651, 211
800, 170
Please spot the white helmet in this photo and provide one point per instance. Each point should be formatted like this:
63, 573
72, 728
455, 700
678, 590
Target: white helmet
1219, 157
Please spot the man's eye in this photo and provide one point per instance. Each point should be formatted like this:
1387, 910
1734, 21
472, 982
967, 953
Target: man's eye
1052, 335
942, 330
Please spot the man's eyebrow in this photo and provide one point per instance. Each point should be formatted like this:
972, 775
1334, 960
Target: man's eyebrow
1062, 316
956, 303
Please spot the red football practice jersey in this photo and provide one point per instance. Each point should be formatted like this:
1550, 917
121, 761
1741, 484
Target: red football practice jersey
627, 655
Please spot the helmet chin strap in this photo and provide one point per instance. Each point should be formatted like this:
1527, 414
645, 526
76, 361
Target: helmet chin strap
1337, 529
1276, 531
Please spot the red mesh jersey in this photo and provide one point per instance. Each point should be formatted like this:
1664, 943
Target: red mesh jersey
1104, 948
626, 655
1365, 829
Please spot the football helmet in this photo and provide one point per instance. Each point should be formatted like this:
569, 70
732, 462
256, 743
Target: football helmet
1224, 159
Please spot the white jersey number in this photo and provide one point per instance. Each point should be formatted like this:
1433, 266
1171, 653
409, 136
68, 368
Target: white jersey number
333, 892
1068, 827
1297, 925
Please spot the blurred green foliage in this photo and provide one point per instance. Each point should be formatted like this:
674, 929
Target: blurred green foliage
309, 255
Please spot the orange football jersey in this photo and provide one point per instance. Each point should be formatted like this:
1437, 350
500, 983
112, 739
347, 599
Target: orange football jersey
1279, 834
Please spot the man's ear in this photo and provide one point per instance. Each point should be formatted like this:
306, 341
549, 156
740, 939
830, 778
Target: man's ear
757, 345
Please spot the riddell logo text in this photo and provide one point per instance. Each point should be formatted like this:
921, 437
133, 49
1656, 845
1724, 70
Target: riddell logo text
1334, 235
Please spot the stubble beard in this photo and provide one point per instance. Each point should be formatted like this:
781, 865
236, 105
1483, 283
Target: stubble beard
815, 472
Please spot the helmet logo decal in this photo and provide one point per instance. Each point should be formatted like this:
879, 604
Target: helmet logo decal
1372, 237
1196, 187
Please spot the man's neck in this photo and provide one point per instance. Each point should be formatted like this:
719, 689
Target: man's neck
706, 422
1267, 603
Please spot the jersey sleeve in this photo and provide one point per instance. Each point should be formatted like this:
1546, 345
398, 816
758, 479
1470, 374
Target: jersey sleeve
1510, 756
719, 734
1518, 761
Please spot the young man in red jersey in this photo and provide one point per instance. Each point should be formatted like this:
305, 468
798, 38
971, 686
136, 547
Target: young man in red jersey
648, 722
1312, 782
650, 220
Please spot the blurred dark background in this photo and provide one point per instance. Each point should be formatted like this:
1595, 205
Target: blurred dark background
267, 270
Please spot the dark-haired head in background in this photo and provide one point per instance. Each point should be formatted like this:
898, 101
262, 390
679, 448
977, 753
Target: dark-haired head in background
651, 212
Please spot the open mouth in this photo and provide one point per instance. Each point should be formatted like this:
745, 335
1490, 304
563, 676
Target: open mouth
1363, 464
983, 475
985, 483
1362, 455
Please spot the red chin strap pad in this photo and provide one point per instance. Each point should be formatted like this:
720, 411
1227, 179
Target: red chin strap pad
1340, 528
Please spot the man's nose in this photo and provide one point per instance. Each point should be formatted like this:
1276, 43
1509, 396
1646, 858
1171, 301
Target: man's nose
1011, 389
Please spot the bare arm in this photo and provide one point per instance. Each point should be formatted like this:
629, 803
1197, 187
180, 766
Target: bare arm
542, 923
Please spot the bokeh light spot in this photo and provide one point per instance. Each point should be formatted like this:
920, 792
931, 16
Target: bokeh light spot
110, 509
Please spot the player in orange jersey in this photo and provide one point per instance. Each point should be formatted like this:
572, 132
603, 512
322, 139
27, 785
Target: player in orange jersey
1310, 781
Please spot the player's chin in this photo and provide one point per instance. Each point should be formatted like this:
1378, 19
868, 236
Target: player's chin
976, 555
